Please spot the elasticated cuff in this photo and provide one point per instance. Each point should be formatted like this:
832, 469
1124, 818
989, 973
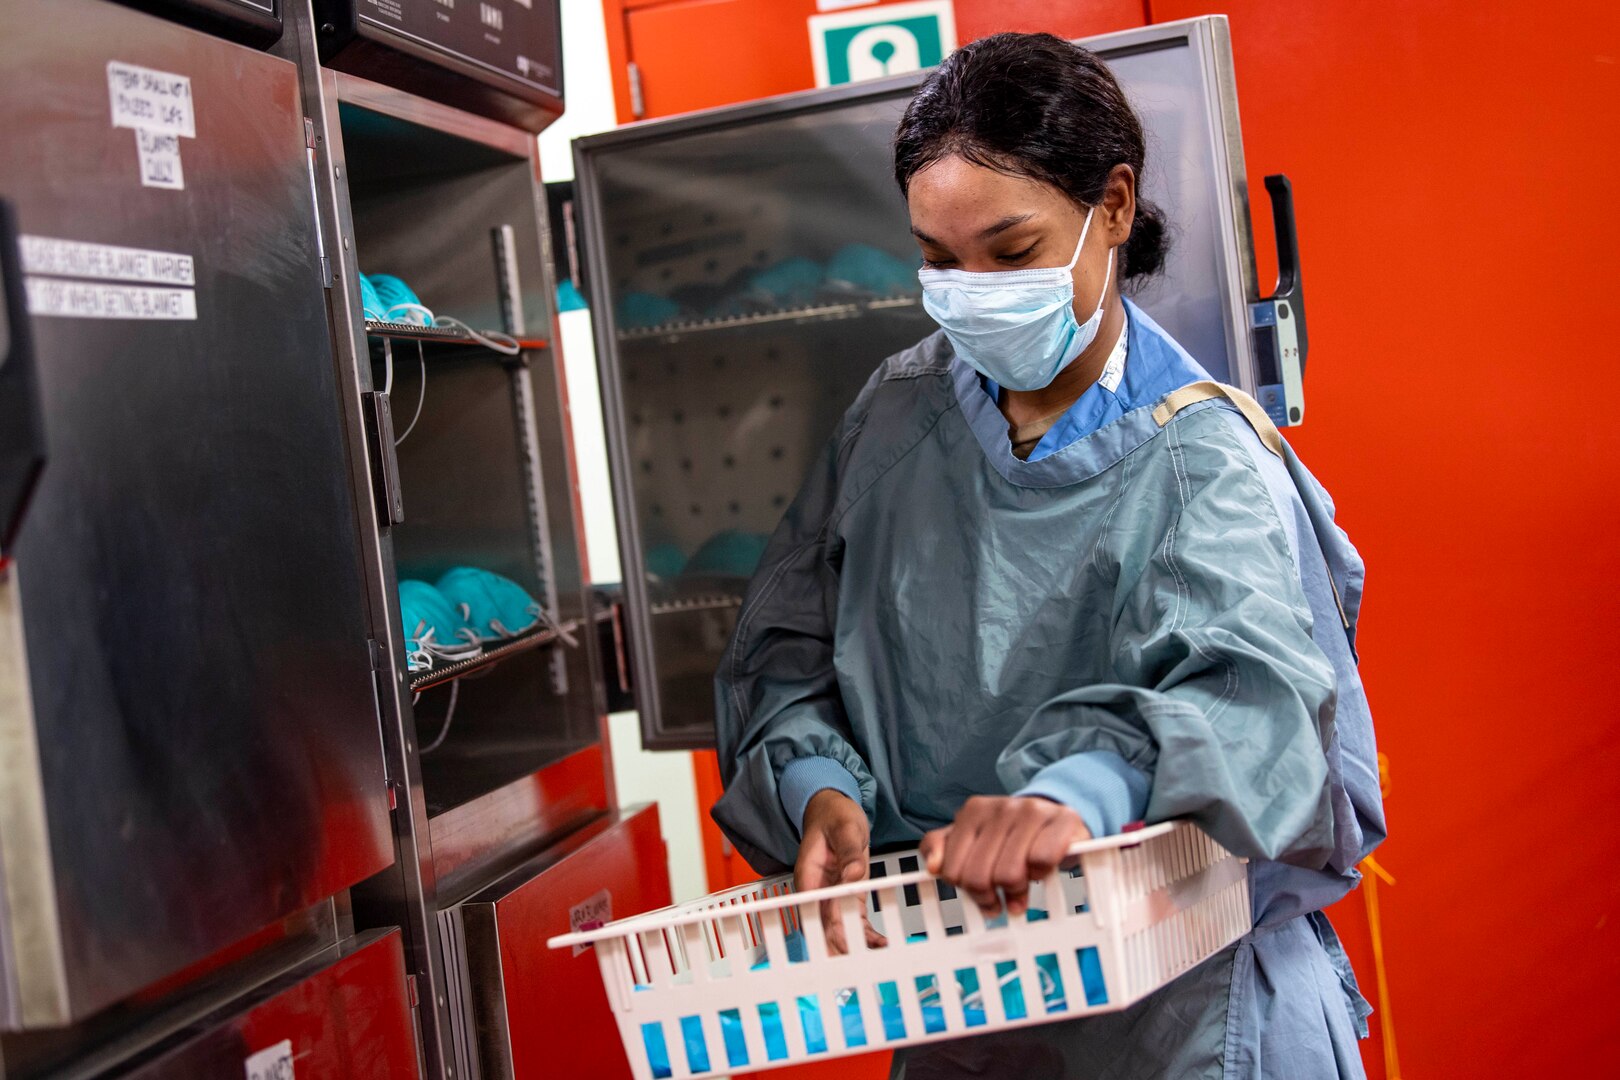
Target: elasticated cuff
801, 778
1107, 791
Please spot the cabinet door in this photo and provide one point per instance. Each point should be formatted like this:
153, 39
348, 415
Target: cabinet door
190, 734
536, 1011
751, 267
347, 1020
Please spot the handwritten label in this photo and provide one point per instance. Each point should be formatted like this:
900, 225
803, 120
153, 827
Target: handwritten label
275, 1063
90, 300
74, 258
150, 100
160, 159
590, 913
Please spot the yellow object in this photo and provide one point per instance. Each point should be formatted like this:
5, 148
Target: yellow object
1369, 889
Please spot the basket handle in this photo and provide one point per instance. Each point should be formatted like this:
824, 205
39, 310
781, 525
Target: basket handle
663, 919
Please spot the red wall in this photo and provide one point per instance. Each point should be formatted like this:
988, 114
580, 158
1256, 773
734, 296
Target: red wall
1454, 165
696, 54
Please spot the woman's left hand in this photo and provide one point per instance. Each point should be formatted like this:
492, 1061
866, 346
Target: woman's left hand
1005, 842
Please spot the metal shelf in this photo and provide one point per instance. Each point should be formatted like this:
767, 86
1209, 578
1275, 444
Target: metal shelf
384, 332
526, 642
849, 309
696, 603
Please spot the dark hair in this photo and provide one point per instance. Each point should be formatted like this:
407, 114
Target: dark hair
1033, 105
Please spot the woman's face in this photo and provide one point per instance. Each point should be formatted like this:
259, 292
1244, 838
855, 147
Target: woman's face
968, 217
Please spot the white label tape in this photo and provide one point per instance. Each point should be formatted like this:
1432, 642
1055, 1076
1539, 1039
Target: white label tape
150, 100
93, 300
74, 258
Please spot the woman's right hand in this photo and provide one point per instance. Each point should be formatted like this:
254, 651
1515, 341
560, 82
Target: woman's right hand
835, 849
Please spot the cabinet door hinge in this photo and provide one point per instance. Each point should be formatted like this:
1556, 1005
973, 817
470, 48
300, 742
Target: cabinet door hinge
311, 148
638, 103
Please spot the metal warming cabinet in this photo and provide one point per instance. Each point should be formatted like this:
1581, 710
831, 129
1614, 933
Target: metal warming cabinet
191, 770
750, 266
240, 826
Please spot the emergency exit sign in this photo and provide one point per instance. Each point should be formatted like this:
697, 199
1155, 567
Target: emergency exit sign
888, 39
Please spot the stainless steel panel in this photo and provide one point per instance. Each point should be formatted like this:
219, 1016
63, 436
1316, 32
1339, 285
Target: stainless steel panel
205, 754
719, 391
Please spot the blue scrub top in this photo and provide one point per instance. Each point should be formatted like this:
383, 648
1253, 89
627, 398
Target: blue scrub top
1150, 374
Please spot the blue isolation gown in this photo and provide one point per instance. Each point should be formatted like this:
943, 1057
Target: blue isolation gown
940, 619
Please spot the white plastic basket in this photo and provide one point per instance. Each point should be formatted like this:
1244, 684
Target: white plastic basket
742, 981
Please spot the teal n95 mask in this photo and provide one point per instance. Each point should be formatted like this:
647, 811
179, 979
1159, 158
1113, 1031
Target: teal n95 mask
434, 630
496, 607
1016, 327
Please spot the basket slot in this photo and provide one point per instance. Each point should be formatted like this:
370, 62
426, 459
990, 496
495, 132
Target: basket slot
866, 999
776, 950
696, 950
893, 925
850, 909
1071, 986
815, 934
972, 917
714, 1041
907, 991
613, 958
655, 949
678, 1049
792, 1027
732, 933
995, 1009
638, 960
651, 1050
1029, 984
932, 910
744, 1023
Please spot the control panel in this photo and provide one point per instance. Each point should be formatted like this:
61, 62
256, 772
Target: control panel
501, 58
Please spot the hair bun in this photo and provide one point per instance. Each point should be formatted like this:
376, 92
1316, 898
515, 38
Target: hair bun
1148, 243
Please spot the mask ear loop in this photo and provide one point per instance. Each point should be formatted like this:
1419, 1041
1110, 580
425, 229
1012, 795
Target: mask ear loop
424, 317
1084, 229
504, 344
563, 633
449, 717
421, 395
1108, 275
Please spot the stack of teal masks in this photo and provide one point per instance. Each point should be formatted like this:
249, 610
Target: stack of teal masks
386, 298
731, 553
494, 607
434, 630
872, 270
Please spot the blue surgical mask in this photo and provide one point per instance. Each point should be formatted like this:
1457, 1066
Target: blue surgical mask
495, 607
434, 629
1016, 327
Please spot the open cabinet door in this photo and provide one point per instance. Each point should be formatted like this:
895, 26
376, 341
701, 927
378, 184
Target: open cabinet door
189, 726
751, 266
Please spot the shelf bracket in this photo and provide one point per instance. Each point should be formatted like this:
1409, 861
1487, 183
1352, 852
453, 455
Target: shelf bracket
506, 272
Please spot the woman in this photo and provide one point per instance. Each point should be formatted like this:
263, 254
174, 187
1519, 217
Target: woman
1035, 590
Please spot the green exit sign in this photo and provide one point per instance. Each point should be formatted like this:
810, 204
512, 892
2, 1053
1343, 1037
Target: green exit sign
889, 39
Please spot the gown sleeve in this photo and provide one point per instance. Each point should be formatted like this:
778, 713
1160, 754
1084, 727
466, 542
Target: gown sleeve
1220, 696
776, 692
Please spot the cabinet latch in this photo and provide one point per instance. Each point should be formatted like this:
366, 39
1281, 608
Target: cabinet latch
379, 420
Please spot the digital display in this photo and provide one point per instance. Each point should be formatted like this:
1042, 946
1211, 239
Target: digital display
518, 39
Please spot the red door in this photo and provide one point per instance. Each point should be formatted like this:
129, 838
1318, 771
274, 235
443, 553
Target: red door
697, 54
